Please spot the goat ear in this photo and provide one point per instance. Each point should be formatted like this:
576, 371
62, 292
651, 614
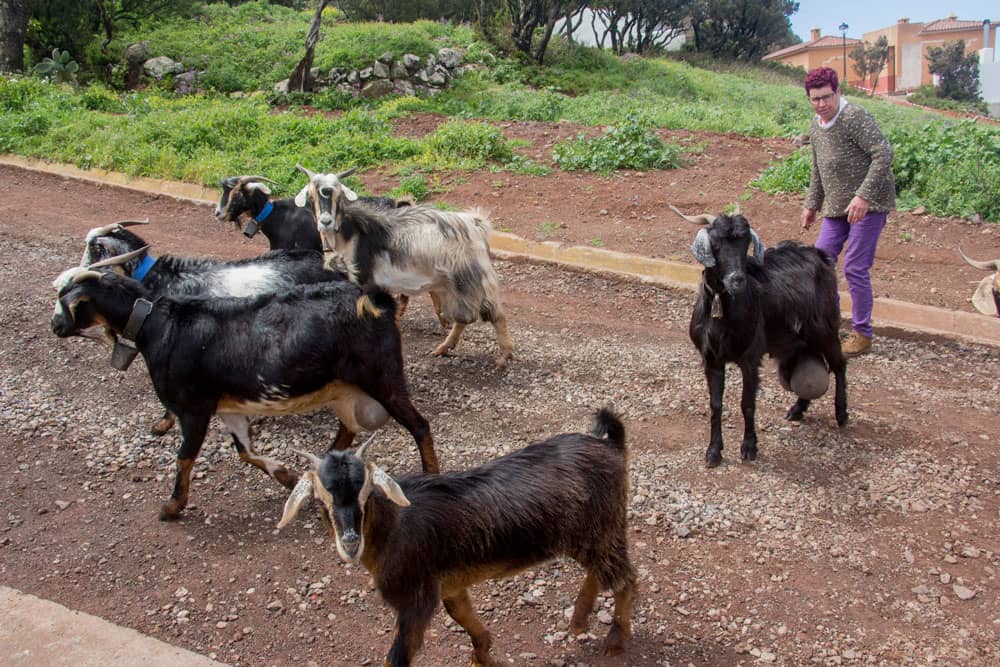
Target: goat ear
302, 492
349, 193
702, 249
382, 480
758, 246
302, 198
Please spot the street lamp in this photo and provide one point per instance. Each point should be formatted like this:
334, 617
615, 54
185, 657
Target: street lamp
843, 39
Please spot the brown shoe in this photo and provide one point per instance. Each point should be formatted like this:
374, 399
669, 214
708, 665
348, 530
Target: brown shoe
856, 344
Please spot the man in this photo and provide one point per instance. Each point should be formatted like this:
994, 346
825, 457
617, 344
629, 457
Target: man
853, 187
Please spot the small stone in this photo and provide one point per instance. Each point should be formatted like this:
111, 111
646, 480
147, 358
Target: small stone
963, 593
604, 617
62, 504
274, 605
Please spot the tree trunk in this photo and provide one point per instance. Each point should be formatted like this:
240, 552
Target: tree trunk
301, 79
13, 25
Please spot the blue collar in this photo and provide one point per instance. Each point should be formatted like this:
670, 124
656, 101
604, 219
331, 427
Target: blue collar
266, 211
144, 266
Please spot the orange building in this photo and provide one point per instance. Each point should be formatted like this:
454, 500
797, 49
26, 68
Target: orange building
907, 67
820, 51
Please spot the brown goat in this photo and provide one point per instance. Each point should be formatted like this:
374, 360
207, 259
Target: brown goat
428, 538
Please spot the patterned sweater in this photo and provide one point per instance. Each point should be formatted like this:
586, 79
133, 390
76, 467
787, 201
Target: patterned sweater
851, 157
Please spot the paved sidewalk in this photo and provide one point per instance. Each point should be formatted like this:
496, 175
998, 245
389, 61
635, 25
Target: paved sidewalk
37, 632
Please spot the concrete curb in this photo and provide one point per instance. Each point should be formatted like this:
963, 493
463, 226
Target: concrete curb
39, 632
889, 314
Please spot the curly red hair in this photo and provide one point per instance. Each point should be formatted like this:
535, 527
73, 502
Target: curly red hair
819, 77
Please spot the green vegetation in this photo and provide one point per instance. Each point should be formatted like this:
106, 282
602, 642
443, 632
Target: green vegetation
632, 144
951, 168
927, 96
948, 166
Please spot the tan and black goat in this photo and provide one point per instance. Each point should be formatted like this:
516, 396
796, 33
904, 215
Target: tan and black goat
427, 538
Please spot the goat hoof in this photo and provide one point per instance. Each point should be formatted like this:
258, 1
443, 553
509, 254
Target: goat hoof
170, 511
793, 415
712, 458
160, 428
287, 478
748, 453
441, 351
842, 419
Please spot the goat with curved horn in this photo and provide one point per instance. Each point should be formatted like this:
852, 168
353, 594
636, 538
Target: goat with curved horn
703, 219
119, 259
986, 298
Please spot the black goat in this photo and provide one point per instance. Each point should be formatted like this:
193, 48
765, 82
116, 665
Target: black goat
783, 302
179, 276
312, 346
286, 226
429, 537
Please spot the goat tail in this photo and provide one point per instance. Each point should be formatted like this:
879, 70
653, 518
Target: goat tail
374, 302
607, 423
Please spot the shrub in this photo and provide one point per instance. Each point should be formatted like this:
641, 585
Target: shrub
631, 144
467, 144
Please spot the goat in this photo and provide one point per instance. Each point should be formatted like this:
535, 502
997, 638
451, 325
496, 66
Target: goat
286, 226
412, 250
430, 537
986, 298
311, 346
783, 302
176, 276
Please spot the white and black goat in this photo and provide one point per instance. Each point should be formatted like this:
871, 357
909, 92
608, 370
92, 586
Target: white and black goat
782, 302
181, 276
986, 298
428, 538
286, 226
412, 250
312, 346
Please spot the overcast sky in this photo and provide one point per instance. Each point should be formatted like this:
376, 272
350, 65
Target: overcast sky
864, 15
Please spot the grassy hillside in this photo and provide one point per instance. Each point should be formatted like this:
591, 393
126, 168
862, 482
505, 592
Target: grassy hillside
951, 167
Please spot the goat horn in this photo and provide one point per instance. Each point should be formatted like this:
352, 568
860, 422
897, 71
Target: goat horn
703, 219
130, 223
305, 171
120, 259
253, 179
84, 275
312, 458
986, 266
360, 453
345, 174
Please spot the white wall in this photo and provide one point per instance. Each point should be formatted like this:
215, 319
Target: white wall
989, 80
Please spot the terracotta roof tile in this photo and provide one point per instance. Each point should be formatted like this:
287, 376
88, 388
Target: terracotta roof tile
950, 24
821, 43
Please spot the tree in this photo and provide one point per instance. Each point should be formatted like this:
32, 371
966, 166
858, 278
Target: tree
741, 29
958, 72
301, 80
533, 21
870, 59
13, 27
639, 26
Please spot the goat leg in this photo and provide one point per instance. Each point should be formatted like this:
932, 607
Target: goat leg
411, 623
716, 378
345, 437
436, 300
621, 624
193, 429
451, 341
748, 405
239, 427
459, 607
166, 423
797, 410
503, 341
584, 603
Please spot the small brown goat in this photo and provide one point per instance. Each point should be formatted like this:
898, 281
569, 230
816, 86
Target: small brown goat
428, 538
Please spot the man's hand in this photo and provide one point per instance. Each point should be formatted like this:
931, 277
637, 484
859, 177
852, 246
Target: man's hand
857, 209
808, 217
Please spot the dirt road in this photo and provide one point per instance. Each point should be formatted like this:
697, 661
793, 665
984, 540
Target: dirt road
877, 543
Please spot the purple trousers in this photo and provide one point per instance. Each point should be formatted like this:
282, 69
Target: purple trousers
861, 239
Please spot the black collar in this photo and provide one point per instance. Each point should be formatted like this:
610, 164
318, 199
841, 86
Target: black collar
122, 355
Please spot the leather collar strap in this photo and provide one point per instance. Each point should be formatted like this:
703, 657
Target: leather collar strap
140, 311
266, 211
144, 266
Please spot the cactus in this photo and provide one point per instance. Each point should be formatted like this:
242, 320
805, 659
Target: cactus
60, 67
